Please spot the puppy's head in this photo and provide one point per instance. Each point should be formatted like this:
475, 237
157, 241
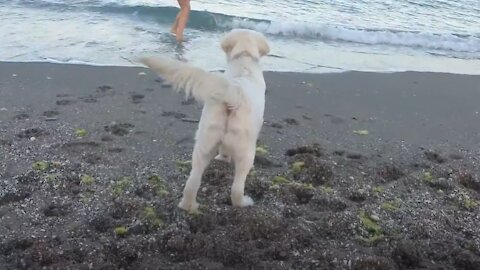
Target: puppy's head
241, 41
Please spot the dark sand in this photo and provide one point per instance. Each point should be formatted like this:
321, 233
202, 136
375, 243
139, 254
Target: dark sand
86, 151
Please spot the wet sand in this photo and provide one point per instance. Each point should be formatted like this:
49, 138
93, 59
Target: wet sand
356, 171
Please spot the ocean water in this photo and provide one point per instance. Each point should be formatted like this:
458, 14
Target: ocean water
305, 36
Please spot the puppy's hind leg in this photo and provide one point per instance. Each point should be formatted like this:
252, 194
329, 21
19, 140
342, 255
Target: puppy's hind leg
203, 152
223, 155
243, 159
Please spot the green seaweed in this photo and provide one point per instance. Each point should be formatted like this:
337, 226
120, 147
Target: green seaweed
150, 217
298, 166
469, 203
52, 177
326, 189
362, 132
427, 176
261, 151
372, 240
280, 180
378, 190
86, 196
120, 186
41, 166
389, 206
86, 180
80, 132
158, 185
120, 231
183, 166
371, 226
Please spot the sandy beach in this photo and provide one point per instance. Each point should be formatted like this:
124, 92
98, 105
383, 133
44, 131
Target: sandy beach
354, 170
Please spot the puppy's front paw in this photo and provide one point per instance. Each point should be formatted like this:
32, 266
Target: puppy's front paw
243, 202
189, 206
227, 159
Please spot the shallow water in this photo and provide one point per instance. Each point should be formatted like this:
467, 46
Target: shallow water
305, 36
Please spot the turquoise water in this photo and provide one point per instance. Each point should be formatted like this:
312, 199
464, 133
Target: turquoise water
305, 36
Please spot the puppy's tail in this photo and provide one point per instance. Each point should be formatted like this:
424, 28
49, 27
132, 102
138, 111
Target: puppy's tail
202, 85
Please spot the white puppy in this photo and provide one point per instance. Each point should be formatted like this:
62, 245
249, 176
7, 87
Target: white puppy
232, 115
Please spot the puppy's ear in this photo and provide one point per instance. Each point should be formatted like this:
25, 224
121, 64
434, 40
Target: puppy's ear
228, 43
262, 43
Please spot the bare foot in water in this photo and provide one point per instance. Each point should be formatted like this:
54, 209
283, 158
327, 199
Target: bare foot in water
181, 20
179, 38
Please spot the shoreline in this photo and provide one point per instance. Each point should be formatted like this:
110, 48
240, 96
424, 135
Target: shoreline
331, 69
357, 170
468, 69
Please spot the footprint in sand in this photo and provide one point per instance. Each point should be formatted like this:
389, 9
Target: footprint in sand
64, 102
106, 138
335, 119
274, 125
455, 156
434, 157
313, 149
5, 142
119, 129
115, 150
21, 116
89, 99
390, 173
189, 101
265, 162
80, 146
50, 113
307, 117
189, 139
354, 156
91, 158
55, 210
104, 90
31, 132
10, 197
136, 98
174, 114
291, 121
468, 180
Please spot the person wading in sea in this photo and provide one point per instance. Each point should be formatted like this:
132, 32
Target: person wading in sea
181, 20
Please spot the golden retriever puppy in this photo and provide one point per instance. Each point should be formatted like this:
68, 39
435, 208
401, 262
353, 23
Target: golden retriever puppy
232, 114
